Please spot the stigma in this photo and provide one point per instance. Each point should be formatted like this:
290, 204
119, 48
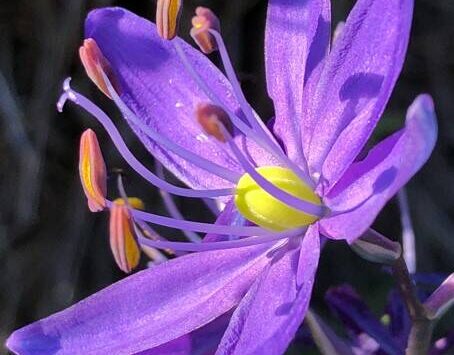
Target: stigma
261, 208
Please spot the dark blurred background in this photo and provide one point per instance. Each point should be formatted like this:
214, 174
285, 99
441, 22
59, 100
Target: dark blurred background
53, 252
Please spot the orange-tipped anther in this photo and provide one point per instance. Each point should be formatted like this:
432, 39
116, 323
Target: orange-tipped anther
95, 65
204, 21
123, 241
92, 170
214, 121
168, 14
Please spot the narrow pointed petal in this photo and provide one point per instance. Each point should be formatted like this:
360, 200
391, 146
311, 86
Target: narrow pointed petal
356, 83
368, 184
149, 308
268, 317
290, 29
161, 92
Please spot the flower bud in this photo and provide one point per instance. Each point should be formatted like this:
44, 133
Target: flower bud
168, 14
442, 299
123, 243
376, 248
204, 21
92, 170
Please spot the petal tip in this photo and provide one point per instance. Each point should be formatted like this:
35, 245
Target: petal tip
32, 340
97, 16
423, 110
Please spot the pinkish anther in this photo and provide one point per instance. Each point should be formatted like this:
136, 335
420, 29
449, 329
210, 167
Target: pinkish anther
95, 64
92, 170
212, 118
168, 14
123, 243
204, 21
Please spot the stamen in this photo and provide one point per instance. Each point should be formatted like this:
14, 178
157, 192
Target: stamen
236, 121
168, 14
253, 119
204, 20
95, 64
230, 244
150, 233
123, 242
264, 142
114, 134
186, 154
197, 226
208, 117
313, 209
154, 255
92, 171
182, 224
172, 207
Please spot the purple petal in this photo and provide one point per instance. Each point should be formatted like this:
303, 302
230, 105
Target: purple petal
155, 85
357, 80
202, 341
367, 185
442, 299
357, 317
149, 308
268, 317
315, 62
290, 28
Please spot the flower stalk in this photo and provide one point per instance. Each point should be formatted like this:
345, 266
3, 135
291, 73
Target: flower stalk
422, 325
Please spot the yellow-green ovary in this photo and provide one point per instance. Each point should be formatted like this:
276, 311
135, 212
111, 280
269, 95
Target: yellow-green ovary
258, 206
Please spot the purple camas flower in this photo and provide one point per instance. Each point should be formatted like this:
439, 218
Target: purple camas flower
282, 188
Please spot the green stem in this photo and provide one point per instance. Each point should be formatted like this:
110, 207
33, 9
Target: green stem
421, 330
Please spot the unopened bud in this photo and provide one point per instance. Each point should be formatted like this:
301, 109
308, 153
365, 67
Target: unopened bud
92, 170
95, 65
168, 14
376, 248
204, 21
123, 243
442, 299
214, 120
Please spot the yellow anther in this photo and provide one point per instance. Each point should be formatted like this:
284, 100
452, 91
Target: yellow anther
211, 118
204, 21
134, 202
96, 64
92, 170
168, 14
258, 206
123, 241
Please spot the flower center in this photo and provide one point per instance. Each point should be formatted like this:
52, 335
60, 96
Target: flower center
258, 206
